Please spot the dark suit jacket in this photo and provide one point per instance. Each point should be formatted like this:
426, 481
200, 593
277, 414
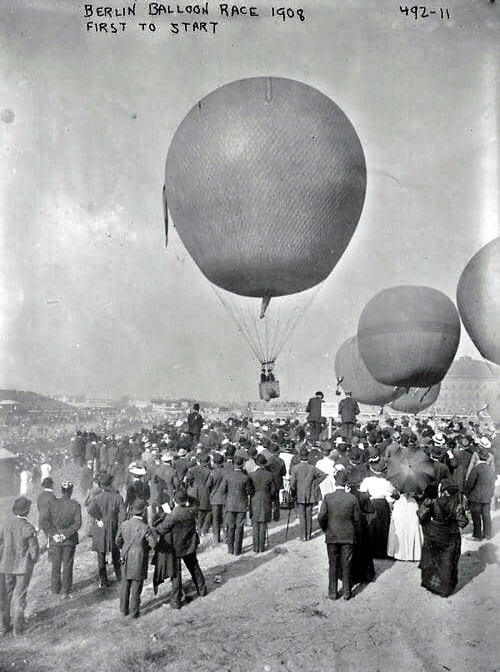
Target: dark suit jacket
42, 502
313, 408
238, 488
348, 409
264, 490
304, 479
339, 517
181, 522
65, 517
216, 486
480, 486
197, 480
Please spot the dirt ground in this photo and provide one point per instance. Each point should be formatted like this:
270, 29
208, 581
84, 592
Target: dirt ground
268, 613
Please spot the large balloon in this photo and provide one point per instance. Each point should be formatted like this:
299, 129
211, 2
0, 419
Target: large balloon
265, 182
408, 336
350, 367
478, 300
416, 400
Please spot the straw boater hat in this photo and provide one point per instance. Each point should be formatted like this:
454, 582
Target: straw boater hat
182, 452
438, 439
137, 469
167, 457
484, 443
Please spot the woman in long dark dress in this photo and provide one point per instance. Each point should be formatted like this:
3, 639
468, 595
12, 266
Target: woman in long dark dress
442, 541
363, 570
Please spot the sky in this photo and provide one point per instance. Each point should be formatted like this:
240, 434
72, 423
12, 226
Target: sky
91, 300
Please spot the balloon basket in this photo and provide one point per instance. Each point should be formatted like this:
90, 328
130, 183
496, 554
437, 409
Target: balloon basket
269, 390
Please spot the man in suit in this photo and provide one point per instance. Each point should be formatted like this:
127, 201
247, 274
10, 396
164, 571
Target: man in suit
265, 489
348, 410
277, 467
304, 486
43, 500
63, 522
238, 488
181, 523
134, 539
19, 552
315, 417
339, 518
216, 485
479, 489
196, 481
108, 510
195, 424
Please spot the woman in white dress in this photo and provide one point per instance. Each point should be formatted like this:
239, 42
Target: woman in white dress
405, 533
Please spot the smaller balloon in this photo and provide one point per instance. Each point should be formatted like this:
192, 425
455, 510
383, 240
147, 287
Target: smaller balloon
416, 400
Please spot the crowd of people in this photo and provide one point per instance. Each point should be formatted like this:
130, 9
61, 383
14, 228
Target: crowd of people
390, 487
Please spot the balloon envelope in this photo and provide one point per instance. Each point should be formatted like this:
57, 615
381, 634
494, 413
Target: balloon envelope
356, 377
265, 183
408, 336
416, 400
478, 300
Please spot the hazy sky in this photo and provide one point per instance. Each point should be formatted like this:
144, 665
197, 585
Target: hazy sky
92, 302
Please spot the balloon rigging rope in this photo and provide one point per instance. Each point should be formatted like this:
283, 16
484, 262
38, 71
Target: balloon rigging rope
232, 313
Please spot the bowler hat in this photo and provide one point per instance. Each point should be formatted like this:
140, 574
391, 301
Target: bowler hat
138, 507
21, 506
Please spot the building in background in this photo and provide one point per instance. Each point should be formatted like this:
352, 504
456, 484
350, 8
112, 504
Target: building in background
466, 387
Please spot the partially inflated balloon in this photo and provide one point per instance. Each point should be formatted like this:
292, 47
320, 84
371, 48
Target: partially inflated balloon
408, 336
265, 182
356, 378
416, 400
478, 300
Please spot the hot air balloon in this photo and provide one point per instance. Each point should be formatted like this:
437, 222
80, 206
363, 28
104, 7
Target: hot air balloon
408, 336
350, 368
265, 182
416, 400
478, 300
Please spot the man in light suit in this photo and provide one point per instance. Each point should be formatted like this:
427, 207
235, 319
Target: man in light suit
339, 518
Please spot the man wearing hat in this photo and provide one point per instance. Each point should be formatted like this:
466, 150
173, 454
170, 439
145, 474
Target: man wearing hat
238, 488
197, 488
181, 523
304, 486
63, 522
134, 539
479, 490
195, 424
315, 416
265, 489
216, 485
276, 465
108, 510
348, 411
340, 519
42, 503
19, 552
138, 489
166, 480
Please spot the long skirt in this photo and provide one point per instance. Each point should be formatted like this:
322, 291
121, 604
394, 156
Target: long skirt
363, 570
440, 556
378, 527
405, 533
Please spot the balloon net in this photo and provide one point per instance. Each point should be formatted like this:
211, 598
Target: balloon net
266, 336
